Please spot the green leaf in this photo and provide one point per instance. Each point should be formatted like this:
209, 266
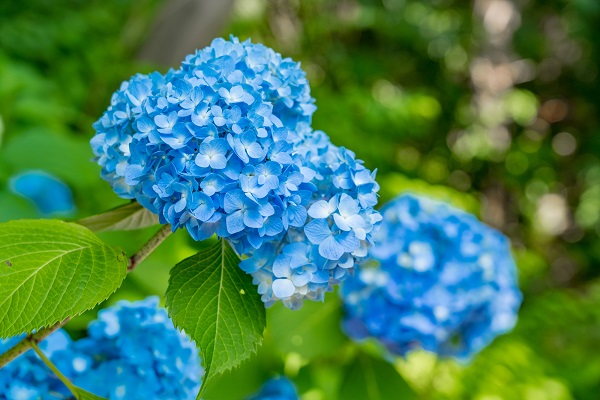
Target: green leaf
312, 331
215, 302
51, 270
81, 394
374, 379
128, 217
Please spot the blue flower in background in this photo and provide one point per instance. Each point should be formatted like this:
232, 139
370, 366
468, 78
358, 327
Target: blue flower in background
314, 256
446, 282
225, 122
276, 389
133, 351
49, 194
27, 378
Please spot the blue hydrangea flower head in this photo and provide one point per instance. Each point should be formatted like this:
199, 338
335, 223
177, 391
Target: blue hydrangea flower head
281, 80
210, 146
48, 193
311, 258
133, 351
445, 282
276, 389
27, 378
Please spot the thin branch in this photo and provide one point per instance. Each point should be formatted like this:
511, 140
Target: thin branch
25, 344
149, 247
34, 338
51, 365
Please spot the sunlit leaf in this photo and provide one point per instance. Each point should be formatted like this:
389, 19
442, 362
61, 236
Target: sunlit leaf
51, 270
215, 302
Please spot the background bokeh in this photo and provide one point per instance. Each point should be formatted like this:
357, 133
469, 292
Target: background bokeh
492, 105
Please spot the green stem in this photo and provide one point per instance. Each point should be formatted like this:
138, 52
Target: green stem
50, 365
149, 247
26, 344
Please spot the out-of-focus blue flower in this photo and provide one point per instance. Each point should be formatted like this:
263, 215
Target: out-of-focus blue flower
446, 282
276, 389
337, 205
133, 351
222, 125
49, 194
27, 378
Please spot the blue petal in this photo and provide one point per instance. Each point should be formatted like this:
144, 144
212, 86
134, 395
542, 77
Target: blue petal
331, 249
218, 162
348, 241
296, 215
283, 288
301, 279
234, 200
347, 205
319, 209
281, 266
235, 222
253, 219
317, 231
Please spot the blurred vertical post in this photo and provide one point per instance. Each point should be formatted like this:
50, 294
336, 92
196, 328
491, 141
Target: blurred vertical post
494, 72
183, 26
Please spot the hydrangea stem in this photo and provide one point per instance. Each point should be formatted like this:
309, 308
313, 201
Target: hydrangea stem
25, 344
34, 338
149, 247
52, 367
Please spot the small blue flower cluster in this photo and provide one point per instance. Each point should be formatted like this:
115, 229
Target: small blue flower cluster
27, 378
133, 351
136, 348
276, 389
446, 282
224, 145
210, 146
308, 261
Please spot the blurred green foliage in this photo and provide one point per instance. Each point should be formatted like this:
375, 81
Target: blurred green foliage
438, 95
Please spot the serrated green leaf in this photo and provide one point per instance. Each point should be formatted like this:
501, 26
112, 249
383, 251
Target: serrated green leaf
51, 270
128, 217
312, 331
374, 379
215, 302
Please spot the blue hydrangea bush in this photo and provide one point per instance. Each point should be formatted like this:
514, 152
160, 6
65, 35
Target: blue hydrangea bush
443, 281
132, 351
136, 348
309, 261
224, 146
27, 378
210, 146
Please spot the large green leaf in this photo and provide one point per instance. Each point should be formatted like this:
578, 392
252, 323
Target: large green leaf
51, 270
215, 302
374, 379
128, 217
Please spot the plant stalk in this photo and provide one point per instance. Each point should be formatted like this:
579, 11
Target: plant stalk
149, 247
51, 365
